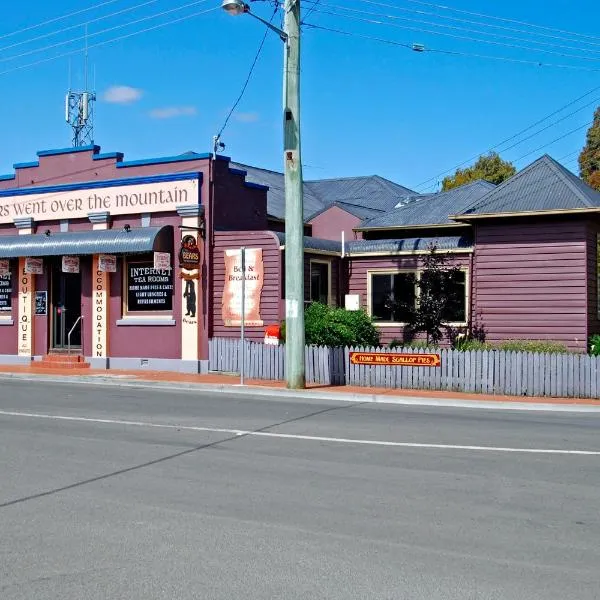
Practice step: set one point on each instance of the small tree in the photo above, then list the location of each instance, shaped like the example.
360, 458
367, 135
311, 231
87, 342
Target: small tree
438, 297
589, 159
489, 167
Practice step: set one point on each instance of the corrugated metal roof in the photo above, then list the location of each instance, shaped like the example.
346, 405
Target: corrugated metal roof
409, 244
543, 185
311, 243
109, 241
431, 209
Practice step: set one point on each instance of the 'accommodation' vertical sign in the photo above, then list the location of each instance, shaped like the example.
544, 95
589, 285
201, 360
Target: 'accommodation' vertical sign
100, 309
26, 292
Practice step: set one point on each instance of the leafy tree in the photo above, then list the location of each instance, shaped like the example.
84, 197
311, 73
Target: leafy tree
439, 298
589, 159
489, 167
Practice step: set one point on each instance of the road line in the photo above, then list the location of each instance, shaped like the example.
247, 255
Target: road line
308, 438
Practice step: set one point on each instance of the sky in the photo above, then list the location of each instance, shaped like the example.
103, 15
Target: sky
369, 105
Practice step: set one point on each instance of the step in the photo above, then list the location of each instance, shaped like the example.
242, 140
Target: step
57, 364
63, 358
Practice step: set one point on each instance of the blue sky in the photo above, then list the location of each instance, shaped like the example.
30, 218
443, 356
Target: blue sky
368, 107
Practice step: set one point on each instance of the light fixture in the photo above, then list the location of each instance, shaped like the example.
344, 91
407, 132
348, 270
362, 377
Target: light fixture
235, 7
127, 227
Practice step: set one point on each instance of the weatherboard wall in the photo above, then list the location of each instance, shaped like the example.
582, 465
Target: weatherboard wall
329, 225
531, 281
593, 231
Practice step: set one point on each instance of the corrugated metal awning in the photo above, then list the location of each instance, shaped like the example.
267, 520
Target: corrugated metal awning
104, 241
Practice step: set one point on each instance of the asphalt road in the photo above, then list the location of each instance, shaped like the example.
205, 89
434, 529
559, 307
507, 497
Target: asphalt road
141, 494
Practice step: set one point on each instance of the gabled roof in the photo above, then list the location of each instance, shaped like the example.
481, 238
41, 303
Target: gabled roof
545, 185
360, 196
430, 209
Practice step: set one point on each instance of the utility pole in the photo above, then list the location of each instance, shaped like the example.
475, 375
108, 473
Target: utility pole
294, 203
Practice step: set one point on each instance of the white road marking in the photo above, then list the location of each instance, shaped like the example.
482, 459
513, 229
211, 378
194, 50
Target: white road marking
293, 436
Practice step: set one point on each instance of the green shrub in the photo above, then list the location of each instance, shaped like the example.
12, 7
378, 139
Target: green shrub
327, 326
543, 346
595, 345
467, 344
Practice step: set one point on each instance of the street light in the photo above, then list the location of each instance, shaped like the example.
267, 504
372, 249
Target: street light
294, 213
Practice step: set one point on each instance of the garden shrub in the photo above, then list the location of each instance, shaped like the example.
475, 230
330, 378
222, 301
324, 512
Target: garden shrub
595, 345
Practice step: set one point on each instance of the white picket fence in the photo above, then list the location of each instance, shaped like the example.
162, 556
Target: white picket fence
487, 372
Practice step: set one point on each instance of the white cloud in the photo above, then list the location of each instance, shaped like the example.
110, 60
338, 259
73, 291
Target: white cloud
122, 94
246, 117
170, 112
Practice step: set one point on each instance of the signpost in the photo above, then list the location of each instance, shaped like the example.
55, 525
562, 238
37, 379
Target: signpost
243, 323
395, 359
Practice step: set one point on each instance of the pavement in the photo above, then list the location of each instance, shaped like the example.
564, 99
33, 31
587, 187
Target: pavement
217, 382
111, 492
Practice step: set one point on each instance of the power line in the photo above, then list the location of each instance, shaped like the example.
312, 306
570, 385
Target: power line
503, 19
247, 81
452, 35
70, 27
479, 23
97, 33
110, 41
55, 19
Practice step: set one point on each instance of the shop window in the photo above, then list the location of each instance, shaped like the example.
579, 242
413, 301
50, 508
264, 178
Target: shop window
320, 281
5, 293
392, 295
146, 289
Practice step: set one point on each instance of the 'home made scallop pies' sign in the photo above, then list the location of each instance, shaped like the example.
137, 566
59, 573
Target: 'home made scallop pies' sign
385, 359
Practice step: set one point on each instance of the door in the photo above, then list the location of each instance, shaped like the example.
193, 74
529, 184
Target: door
66, 308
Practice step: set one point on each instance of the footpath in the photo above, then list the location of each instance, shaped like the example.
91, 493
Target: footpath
230, 384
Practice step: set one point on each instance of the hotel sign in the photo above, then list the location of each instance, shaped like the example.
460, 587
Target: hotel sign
118, 200
385, 359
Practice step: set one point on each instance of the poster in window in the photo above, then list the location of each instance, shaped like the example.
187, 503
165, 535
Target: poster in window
41, 303
107, 263
162, 261
70, 264
232, 291
5, 292
34, 266
4, 267
149, 289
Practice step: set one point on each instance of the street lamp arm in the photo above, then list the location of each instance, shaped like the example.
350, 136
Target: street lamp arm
239, 7
282, 34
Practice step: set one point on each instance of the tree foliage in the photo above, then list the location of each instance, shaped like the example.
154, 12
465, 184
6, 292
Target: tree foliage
589, 159
489, 167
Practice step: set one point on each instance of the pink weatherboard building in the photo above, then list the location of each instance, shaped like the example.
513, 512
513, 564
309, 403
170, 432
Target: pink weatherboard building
135, 264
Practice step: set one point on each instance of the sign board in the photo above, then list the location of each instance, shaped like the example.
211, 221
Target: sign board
231, 303
70, 264
352, 302
107, 263
41, 303
34, 266
149, 289
4, 267
162, 261
5, 292
385, 359
189, 254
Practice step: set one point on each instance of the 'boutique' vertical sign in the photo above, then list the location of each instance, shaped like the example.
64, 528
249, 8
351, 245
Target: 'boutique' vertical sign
25, 346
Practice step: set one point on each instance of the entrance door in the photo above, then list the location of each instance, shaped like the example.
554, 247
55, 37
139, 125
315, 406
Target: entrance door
66, 308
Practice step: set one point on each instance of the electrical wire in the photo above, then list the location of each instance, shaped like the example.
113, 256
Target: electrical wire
110, 41
249, 76
97, 33
55, 19
70, 27
452, 35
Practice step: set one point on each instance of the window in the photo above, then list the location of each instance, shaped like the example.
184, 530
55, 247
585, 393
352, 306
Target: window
392, 295
6, 292
320, 279
147, 289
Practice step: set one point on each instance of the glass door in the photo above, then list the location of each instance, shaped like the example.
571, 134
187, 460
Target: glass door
66, 308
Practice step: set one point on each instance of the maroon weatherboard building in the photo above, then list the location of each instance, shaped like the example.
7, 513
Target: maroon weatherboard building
137, 263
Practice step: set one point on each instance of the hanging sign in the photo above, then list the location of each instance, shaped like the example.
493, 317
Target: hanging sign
5, 292
107, 263
34, 266
41, 303
189, 258
395, 359
253, 273
162, 260
70, 264
4, 267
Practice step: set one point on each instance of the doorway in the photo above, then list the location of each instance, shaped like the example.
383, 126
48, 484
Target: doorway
66, 308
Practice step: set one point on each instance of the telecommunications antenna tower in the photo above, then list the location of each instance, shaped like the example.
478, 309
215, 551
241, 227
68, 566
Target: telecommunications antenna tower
79, 109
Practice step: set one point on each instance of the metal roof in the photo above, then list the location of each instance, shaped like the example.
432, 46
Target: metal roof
311, 243
409, 244
431, 209
544, 185
109, 241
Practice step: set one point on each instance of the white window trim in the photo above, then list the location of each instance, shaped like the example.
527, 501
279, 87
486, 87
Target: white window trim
418, 273
329, 286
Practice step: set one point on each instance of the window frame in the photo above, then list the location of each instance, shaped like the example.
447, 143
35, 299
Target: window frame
167, 315
417, 273
320, 261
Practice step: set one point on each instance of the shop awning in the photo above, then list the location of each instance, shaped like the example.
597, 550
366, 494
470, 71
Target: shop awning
78, 243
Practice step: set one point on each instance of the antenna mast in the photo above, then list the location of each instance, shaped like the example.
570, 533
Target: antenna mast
79, 108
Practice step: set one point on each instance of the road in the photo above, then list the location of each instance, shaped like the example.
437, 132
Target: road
123, 493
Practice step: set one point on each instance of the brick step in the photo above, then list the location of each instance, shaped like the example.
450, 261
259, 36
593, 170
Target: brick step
58, 364
63, 358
